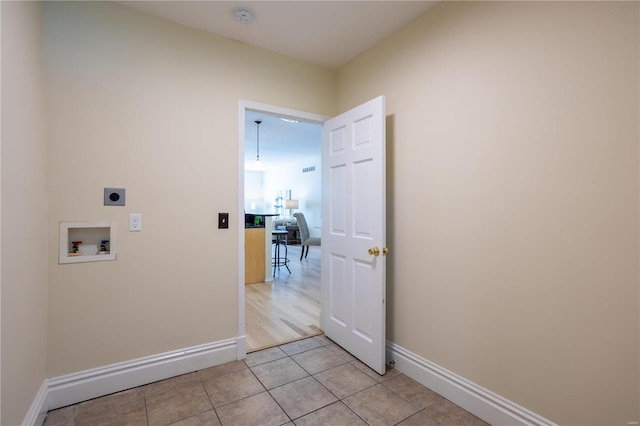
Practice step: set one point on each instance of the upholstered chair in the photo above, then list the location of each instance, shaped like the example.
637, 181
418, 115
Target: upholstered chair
305, 239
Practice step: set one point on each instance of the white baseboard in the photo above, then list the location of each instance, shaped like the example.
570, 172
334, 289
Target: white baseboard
77, 387
38, 410
241, 347
477, 400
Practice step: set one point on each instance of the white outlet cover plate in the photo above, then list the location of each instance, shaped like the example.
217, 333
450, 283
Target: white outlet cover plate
135, 222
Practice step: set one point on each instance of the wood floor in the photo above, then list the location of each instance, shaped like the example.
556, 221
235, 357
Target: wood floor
288, 308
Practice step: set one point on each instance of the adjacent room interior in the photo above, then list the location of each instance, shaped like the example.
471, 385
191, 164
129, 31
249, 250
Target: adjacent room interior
282, 177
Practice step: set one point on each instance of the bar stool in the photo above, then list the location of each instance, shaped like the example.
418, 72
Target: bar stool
280, 240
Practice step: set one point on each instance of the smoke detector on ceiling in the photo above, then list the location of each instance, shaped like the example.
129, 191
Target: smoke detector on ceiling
244, 16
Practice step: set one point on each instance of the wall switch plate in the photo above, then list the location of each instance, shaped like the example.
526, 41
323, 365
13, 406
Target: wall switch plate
135, 222
114, 196
223, 220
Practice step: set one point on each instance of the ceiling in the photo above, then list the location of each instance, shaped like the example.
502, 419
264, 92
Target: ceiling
281, 141
326, 33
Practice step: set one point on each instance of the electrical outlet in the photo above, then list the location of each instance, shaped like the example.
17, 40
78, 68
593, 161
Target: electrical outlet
135, 222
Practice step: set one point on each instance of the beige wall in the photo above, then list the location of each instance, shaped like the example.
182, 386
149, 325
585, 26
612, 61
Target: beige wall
515, 263
151, 106
24, 210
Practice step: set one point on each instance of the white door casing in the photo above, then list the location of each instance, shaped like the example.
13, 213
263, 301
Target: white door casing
353, 226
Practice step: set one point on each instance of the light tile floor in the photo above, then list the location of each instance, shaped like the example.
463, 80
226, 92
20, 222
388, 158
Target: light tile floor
308, 382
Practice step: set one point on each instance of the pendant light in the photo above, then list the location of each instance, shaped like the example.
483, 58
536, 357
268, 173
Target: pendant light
258, 141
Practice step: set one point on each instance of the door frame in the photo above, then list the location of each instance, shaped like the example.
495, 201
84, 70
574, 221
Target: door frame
243, 106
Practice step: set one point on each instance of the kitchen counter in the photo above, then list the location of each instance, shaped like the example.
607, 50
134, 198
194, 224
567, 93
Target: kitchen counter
257, 245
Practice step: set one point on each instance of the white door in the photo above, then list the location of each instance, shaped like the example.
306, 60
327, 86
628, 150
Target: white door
354, 231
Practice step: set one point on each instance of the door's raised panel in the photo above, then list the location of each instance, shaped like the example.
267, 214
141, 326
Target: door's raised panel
337, 207
362, 299
362, 132
362, 200
337, 140
338, 290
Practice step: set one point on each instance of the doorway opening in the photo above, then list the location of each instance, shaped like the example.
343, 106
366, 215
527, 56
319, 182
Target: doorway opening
279, 159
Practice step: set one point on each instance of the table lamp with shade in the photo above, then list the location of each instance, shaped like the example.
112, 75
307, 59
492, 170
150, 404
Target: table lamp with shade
291, 205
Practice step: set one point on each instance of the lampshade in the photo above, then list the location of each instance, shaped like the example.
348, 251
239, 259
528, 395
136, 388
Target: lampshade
291, 204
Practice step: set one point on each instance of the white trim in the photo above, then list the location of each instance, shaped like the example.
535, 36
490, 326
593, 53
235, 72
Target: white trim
490, 407
38, 410
282, 111
240, 220
241, 347
81, 386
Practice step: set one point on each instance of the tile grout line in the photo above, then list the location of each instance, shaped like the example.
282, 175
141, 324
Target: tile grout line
275, 400
340, 400
268, 392
213, 407
317, 381
409, 402
309, 375
146, 411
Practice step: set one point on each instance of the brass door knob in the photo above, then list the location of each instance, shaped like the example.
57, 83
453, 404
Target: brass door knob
385, 251
374, 251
